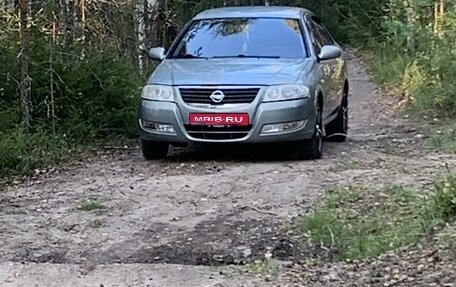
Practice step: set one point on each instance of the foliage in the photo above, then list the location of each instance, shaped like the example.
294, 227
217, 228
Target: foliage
358, 223
445, 197
416, 57
94, 99
265, 266
444, 138
21, 152
85, 85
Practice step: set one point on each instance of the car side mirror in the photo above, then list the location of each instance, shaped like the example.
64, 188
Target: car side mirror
157, 54
329, 52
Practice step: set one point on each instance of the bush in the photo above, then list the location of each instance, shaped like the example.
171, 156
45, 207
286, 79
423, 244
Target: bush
445, 197
98, 96
444, 138
95, 99
21, 152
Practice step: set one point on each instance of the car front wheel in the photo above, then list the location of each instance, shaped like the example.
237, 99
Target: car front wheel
154, 150
313, 147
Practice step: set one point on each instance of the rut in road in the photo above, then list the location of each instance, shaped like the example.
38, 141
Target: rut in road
206, 206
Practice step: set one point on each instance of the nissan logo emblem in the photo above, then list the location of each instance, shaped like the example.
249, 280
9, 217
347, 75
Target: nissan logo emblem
217, 96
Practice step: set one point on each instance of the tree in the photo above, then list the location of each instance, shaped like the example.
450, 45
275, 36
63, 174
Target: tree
25, 83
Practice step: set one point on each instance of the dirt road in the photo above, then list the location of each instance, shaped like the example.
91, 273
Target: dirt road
169, 223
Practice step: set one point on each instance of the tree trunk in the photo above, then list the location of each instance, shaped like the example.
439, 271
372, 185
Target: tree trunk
83, 13
411, 16
64, 21
71, 20
141, 8
25, 84
439, 13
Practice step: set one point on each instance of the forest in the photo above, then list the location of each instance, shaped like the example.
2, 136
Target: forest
71, 70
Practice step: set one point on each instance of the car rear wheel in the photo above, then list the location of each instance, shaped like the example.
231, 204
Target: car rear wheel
313, 147
337, 130
154, 150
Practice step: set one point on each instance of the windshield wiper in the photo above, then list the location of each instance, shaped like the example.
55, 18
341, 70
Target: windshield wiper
188, 56
247, 56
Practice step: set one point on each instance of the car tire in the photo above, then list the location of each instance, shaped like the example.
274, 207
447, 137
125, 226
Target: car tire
313, 147
337, 130
154, 150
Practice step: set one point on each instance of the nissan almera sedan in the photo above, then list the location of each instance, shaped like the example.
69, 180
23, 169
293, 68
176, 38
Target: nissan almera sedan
247, 75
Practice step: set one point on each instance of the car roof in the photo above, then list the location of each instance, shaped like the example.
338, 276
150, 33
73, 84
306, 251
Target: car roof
253, 12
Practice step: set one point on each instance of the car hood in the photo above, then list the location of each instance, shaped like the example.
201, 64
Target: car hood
229, 71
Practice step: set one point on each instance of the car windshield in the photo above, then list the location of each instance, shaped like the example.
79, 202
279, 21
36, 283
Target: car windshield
252, 37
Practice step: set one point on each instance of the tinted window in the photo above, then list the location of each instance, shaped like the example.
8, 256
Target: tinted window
259, 37
327, 40
320, 36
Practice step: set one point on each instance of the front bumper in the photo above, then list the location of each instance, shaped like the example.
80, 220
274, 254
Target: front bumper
260, 114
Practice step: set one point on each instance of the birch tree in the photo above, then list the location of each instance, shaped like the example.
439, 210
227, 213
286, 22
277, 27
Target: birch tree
143, 9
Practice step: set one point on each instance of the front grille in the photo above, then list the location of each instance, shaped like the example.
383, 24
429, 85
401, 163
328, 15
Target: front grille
232, 95
217, 133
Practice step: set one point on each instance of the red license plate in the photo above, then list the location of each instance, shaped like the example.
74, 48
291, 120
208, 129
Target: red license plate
220, 119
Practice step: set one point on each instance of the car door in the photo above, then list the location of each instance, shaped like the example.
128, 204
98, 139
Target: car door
337, 73
331, 70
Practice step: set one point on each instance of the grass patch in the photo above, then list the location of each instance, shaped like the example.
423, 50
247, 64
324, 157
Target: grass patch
22, 152
444, 202
358, 223
91, 205
387, 68
27, 153
444, 138
266, 266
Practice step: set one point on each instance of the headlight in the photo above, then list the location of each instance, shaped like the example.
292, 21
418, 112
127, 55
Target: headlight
286, 92
158, 93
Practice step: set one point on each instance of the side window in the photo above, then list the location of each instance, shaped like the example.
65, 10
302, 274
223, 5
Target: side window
318, 40
325, 35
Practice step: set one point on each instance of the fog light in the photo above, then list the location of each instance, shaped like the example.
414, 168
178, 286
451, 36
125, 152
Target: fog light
283, 128
157, 127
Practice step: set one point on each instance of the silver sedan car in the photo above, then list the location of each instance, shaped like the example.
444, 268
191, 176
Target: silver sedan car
247, 75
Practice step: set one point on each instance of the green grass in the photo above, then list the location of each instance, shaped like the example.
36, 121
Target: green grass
444, 200
22, 152
95, 103
26, 153
387, 68
91, 205
358, 223
443, 138
422, 80
266, 266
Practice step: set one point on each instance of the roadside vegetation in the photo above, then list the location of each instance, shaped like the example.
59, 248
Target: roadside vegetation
444, 138
358, 223
71, 71
64, 87
91, 205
